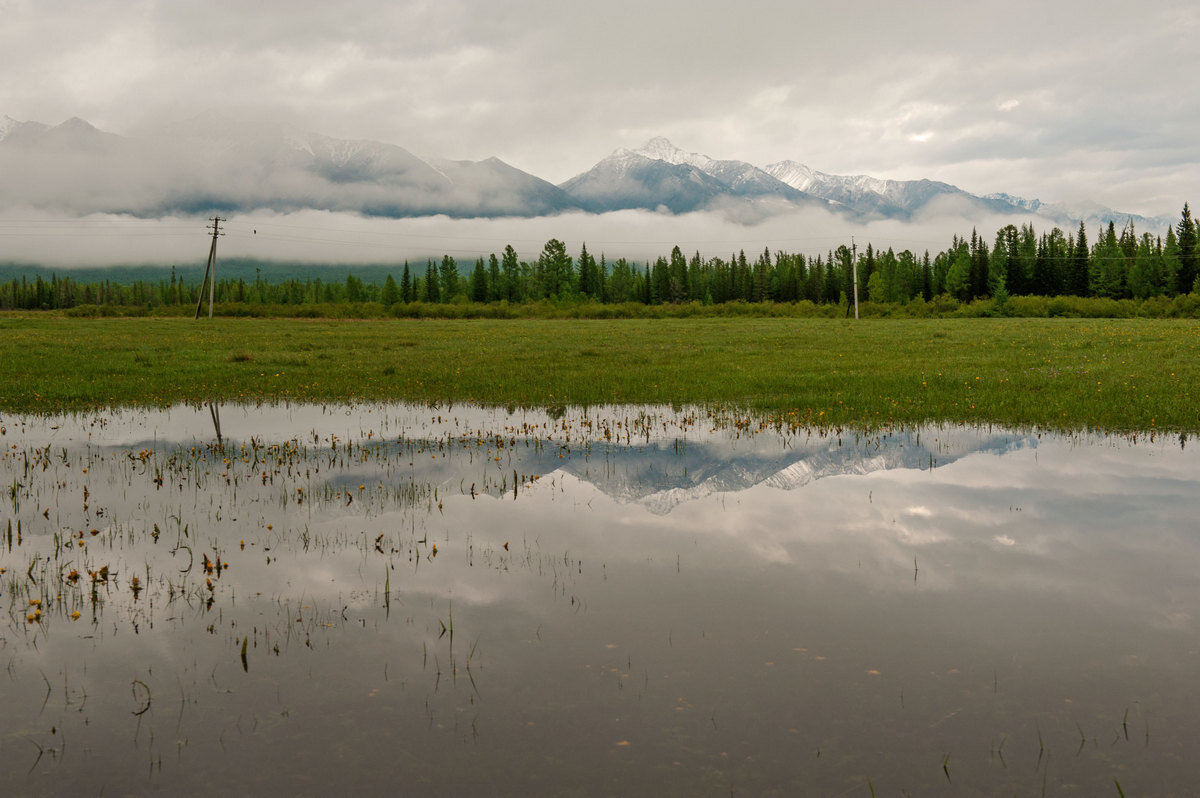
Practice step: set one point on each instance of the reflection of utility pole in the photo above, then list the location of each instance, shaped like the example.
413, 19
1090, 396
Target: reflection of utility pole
210, 271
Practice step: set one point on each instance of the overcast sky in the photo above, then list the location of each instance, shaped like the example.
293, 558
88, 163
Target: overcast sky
1057, 100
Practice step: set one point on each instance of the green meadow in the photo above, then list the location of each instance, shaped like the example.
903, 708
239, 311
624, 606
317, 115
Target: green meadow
1110, 374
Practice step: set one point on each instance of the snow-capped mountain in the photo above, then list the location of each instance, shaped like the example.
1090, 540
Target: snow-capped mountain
742, 178
214, 163
660, 175
868, 196
1094, 215
872, 197
628, 179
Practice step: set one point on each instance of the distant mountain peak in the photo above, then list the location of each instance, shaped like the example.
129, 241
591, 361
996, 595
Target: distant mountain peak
75, 123
660, 148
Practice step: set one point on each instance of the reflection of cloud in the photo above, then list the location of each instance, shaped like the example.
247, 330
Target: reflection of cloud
1072, 504
920, 537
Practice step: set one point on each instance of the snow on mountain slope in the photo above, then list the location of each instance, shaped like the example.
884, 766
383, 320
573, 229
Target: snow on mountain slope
213, 162
742, 178
628, 179
660, 175
660, 149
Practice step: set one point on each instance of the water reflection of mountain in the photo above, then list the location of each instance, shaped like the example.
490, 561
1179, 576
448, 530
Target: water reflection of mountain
658, 474
661, 475
664, 476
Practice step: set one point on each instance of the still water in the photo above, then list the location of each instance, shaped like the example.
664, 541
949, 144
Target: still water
457, 600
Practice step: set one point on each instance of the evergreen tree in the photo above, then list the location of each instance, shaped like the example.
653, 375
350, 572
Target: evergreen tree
406, 287
845, 271
495, 286
676, 284
1020, 272
1141, 273
958, 275
867, 266
759, 279
1129, 242
556, 269
1186, 237
622, 285
1042, 281
602, 279
391, 292
833, 293
511, 271
888, 270
430, 291
660, 282
908, 276
448, 278
1171, 263
941, 265
1108, 266
587, 274
479, 285
980, 263
696, 287
1077, 277
743, 278
1000, 259
1058, 255
814, 290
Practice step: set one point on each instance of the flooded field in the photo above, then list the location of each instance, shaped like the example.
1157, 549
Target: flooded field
455, 600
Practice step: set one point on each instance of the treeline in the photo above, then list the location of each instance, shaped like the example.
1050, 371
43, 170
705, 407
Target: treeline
1018, 262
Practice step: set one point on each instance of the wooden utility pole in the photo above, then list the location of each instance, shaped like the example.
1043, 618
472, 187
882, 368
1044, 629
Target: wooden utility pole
854, 269
853, 261
210, 271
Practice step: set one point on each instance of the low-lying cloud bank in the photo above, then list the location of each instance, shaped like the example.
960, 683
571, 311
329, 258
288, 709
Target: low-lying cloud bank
333, 237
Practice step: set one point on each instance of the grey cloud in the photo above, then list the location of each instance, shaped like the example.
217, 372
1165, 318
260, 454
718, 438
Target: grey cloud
327, 236
551, 86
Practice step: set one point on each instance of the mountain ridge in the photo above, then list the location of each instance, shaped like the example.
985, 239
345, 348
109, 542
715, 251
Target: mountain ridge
215, 163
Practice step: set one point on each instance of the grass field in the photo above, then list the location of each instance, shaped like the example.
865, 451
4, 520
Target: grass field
1113, 374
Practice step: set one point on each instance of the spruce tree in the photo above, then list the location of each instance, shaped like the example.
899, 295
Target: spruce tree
1077, 278
391, 292
587, 273
495, 286
406, 288
448, 275
1186, 238
510, 268
978, 285
430, 292
1171, 263
479, 285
